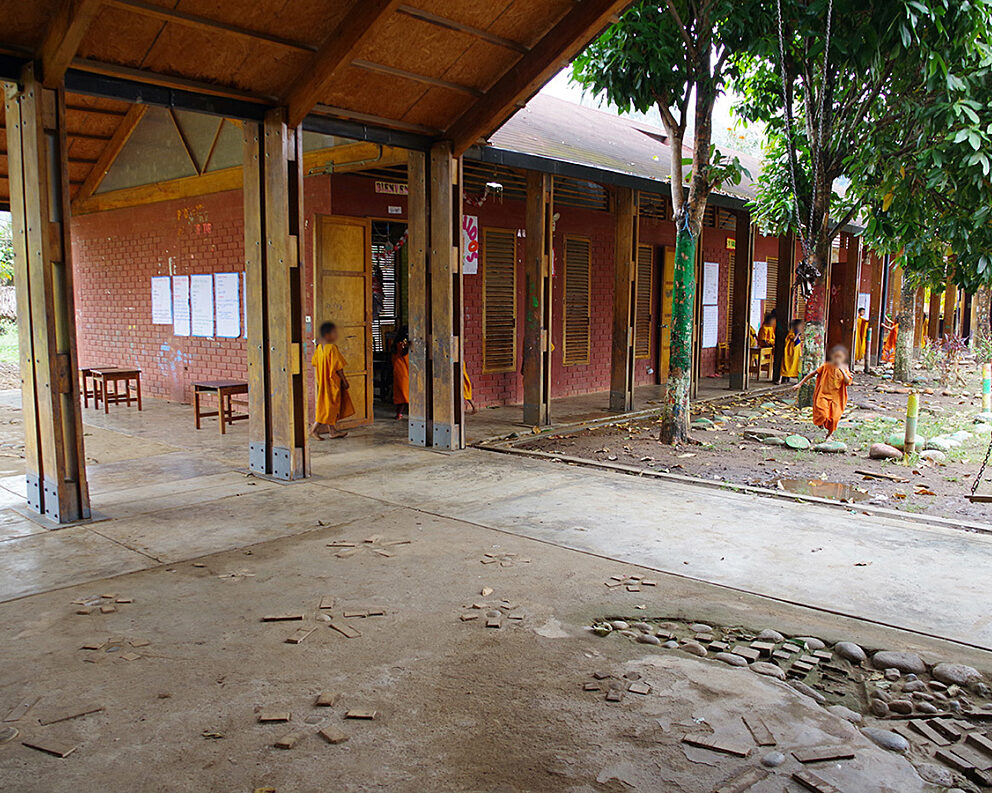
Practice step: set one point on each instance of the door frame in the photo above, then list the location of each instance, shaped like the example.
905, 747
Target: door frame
366, 223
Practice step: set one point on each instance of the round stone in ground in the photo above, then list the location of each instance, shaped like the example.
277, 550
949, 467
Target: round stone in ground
694, 648
882, 451
846, 713
879, 708
773, 760
812, 693
886, 739
730, 658
957, 674
700, 627
903, 706
797, 442
935, 774
831, 447
851, 652
647, 638
619, 625
768, 635
671, 645
812, 643
765, 668
933, 455
903, 661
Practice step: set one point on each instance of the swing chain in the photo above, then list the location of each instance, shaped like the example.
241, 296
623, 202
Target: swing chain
806, 272
981, 471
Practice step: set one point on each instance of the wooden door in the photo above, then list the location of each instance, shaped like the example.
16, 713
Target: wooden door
667, 288
343, 295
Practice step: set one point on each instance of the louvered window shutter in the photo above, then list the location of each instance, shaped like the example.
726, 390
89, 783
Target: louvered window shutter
499, 300
644, 289
577, 287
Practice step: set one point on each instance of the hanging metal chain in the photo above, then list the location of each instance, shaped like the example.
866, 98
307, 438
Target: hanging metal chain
981, 471
806, 272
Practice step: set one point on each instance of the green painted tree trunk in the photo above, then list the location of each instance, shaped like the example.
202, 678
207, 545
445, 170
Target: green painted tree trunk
675, 419
814, 339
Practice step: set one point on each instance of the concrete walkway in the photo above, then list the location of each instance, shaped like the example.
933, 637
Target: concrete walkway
163, 503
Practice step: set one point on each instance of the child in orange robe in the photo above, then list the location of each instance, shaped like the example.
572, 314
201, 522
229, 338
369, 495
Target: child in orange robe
332, 403
830, 395
889, 348
401, 375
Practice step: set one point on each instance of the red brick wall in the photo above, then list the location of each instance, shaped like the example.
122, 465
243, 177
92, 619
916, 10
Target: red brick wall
116, 254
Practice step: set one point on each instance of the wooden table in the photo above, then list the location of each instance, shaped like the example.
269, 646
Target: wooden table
89, 389
763, 358
106, 376
224, 389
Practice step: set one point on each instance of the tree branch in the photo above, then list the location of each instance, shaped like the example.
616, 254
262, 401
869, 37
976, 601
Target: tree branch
689, 43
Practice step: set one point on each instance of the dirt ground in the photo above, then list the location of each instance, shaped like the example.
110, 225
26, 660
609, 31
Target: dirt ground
10, 376
729, 452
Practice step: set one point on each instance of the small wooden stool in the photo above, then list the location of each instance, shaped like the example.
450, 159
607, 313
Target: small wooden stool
89, 388
103, 377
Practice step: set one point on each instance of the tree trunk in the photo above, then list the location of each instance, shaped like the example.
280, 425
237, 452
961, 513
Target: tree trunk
675, 418
814, 337
903, 368
982, 332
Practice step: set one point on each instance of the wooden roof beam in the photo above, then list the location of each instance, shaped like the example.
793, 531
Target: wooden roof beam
391, 71
64, 35
164, 14
337, 51
548, 56
451, 24
121, 136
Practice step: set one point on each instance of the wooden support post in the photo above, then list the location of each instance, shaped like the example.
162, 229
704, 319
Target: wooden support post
740, 311
783, 299
622, 363
446, 298
933, 315
273, 195
950, 308
845, 277
875, 308
537, 309
419, 427
38, 165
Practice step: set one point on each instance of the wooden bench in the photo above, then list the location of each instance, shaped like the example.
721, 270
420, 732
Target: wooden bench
224, 389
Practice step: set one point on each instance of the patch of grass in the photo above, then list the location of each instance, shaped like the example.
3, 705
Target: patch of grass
9, 350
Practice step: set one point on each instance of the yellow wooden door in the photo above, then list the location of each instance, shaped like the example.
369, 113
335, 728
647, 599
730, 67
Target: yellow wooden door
668, 286
343, 295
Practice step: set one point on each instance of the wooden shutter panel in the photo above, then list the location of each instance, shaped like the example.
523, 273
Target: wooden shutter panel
499, 300
576, 314
730, 296
644, 289
771, 299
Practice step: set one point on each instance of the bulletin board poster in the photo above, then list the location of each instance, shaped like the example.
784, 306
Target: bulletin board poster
227, 304
711, 326
711, 283
756, 317
864, 301
759, 282
470, 244
201, 303
244, 305
180, 305
161, 300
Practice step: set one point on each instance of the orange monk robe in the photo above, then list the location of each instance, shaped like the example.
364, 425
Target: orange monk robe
401, 379
466, 386
766, 336
752, 337
791, 355
861, 339
333, 402
889, 348
829, 396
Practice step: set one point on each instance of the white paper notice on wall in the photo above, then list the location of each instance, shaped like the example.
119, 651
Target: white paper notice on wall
711, 326
244, 305
711, 283
161, 300
180, 305
201, 304
864, 301
470, 244
759, 281
227, 304
756, 317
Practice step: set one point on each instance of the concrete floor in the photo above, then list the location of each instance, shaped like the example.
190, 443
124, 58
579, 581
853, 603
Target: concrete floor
204, 551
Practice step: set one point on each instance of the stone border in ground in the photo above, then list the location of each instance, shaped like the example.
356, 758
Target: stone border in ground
509, 447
